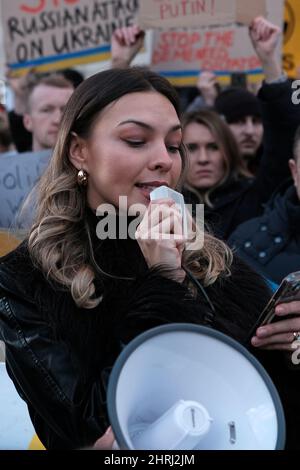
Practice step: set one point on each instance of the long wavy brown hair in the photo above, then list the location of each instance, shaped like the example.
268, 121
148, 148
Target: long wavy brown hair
60, 241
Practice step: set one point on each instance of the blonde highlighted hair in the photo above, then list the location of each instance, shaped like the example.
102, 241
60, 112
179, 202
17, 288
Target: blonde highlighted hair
60, 241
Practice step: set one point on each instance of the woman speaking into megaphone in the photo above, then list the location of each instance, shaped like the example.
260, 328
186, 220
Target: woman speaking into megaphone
78, 289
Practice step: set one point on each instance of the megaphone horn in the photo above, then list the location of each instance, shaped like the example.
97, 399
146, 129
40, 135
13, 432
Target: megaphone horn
184, 386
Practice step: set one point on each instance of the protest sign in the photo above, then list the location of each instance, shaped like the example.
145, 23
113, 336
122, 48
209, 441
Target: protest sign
2, 55
180, 54
54, 34
194, 13
16, 429
291, 51
18, 175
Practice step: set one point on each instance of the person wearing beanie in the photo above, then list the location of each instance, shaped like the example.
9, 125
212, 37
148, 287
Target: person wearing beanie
242, 112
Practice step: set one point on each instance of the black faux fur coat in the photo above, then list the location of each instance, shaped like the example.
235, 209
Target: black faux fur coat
59, 356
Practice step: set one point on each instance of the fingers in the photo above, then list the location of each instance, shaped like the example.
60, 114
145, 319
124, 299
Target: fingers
288, 308
279, 347
161, 218
170, 225
118, 35
278, 335
283, 338
160, 236
128, 36
262, 30
278, 327
280, 342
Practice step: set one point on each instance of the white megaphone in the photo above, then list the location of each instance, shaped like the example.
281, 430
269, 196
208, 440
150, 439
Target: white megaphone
185, 387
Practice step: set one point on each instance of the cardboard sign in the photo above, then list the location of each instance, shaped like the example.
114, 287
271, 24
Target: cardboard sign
291, 51
194, 13
16, 429
53, 34
18, 175
180, 54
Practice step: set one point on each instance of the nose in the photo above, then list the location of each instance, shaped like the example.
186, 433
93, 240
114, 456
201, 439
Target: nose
202, 156
161, 159
249, 126
56, 116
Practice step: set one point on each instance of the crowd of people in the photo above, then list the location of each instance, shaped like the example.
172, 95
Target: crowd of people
70, 299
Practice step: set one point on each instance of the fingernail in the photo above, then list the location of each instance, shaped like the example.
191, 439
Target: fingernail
279, 310
262, 332
254, 341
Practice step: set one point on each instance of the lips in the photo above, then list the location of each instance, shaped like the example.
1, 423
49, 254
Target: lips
203, 173
145, 190
151, 185
147, 187
248, 142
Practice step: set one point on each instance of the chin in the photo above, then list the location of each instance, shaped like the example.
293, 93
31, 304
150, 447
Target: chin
137, 207
203, 185
50, 145
249, 153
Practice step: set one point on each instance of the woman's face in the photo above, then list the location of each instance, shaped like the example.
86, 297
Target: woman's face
206, 162
133, 148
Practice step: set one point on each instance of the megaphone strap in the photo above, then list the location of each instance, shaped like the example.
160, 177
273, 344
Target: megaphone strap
210, 315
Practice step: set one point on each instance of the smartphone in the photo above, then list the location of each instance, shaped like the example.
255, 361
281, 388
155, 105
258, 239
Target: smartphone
288, 290
163, 192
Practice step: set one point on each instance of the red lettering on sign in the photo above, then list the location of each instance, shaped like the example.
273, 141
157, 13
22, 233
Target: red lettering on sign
42, 4
169, 10
214, 38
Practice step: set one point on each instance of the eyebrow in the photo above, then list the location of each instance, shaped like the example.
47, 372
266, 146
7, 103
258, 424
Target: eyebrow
188, 142
147, 126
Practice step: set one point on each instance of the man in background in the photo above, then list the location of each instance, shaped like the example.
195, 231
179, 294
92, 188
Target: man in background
46, 98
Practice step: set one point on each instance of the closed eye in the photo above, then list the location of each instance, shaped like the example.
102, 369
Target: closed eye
173, 148
134, 143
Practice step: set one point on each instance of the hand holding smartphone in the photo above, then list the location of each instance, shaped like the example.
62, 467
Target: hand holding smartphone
288, 291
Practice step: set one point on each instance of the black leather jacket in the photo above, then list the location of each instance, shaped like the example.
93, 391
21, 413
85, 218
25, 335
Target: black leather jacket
59, 356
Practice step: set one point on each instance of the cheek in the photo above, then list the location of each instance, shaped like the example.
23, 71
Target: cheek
177, 169
237, 132
192, 160
219, 163
260, 132
219, 170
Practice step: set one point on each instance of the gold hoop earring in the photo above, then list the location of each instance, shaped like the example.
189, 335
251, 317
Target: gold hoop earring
82, 178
